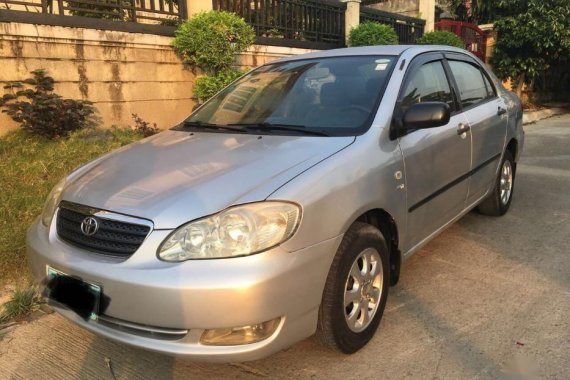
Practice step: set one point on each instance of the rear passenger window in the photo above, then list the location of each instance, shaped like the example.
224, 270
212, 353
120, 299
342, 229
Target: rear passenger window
428, 84
473, 86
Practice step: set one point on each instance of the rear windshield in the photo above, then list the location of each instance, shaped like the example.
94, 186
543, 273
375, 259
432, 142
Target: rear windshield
334, 95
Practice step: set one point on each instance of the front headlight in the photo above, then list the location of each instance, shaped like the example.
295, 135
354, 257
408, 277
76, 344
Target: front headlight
237, 231
52, 202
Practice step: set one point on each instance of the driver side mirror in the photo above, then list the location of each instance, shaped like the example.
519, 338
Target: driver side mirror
426, 115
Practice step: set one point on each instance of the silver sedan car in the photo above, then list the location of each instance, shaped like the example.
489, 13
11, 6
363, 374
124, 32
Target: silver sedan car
282, 207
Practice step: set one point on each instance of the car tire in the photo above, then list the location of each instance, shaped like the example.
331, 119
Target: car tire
499, 200
359, 278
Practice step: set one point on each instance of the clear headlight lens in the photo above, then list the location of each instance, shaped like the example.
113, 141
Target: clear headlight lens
52, 202
237, 231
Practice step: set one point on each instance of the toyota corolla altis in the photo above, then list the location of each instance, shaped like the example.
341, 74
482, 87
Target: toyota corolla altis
282, 207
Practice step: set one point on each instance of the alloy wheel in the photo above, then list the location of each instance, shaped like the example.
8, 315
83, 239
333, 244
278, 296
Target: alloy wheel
363, 290
506, 182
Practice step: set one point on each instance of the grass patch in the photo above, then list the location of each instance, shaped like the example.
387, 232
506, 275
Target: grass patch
29, 167
20, 304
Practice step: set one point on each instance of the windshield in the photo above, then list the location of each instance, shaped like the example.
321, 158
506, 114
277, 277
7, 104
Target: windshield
334, 96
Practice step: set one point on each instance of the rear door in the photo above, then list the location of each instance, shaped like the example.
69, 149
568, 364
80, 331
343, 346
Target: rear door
486, 115
437, 159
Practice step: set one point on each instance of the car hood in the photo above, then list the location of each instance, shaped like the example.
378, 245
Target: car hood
175, 177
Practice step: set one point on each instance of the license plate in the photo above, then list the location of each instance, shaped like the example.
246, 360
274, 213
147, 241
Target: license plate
80, 296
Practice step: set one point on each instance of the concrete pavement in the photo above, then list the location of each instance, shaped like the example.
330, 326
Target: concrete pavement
489, 298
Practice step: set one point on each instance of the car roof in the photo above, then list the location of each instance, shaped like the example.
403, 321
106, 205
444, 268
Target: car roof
393, 50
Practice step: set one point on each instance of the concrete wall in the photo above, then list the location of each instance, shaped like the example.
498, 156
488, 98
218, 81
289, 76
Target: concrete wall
424, 9
122, 73
404, 7
490, 43
258, 55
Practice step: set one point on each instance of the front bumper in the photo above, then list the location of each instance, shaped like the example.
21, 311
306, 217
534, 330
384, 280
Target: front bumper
194, 295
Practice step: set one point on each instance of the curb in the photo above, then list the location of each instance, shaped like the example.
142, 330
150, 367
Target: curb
534, 116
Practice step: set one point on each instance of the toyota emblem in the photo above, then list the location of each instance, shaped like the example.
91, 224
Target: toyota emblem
89, 226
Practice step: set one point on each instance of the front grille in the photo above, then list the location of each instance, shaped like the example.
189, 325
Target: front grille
113, 237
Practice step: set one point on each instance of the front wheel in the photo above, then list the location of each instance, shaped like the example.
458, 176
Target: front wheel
356, 290
498, 202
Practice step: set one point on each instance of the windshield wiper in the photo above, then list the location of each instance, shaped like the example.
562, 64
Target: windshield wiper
265, 126
219, 127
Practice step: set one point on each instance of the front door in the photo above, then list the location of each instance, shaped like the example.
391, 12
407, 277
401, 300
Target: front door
436, 160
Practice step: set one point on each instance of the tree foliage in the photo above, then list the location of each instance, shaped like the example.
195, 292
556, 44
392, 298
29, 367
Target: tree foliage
103, 9
532, 35
484, 11
481, 12
372, 33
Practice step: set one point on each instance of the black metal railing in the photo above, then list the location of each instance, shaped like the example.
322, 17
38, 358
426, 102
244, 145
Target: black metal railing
317, 24
408, 29
94, 13
160, 11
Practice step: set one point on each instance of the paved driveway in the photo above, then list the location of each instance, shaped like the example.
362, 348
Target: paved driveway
489, 298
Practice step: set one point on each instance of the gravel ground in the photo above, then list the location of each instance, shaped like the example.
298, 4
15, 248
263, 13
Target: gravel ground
489, 298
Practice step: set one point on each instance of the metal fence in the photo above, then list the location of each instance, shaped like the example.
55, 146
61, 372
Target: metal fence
408, 29
317, 24
96, 13
314, 24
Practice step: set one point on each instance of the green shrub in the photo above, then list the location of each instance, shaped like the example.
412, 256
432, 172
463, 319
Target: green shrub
210, 40
372, 33
209, 85
441, 37
143, 127
44, 112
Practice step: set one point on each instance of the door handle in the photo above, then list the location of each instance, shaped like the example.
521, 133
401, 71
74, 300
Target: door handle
501, 111
462, 128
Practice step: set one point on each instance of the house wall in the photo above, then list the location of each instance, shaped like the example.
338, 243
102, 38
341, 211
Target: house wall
413, 8
121, 73
490, 42
404, 7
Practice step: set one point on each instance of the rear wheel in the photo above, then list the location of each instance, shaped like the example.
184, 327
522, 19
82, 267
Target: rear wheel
356, 290
498, 202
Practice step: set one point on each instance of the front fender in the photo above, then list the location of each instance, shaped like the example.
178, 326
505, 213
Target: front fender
337, 191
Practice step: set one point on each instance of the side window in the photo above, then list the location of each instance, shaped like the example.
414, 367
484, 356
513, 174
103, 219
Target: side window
471, 83
427, 84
